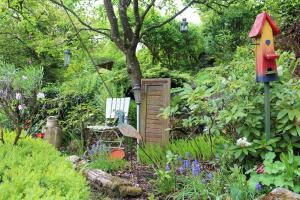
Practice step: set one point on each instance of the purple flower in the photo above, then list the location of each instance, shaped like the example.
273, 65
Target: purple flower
195, 171
203, 181
187, 155
186, 164
210, 176
168, 168
195, 168
181, 170
180, 158
18, 96
258, 186
91, 152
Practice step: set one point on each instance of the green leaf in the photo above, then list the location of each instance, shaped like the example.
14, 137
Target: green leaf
270, 156
282, 113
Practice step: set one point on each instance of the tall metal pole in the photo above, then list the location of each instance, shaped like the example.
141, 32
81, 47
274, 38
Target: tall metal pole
138, 106
267, 109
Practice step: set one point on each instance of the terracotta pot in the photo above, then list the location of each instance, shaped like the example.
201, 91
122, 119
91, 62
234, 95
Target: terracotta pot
117, 154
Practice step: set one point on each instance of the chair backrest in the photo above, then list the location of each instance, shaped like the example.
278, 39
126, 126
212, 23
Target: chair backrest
114, 104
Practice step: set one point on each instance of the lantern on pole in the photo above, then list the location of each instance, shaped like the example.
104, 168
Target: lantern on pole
67, 57
184, 26
263, 31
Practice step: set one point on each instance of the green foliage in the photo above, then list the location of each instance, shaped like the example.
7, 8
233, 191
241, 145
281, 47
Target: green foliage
35, 170
18, 95
284, 173
226, 100
198, 147
194, 181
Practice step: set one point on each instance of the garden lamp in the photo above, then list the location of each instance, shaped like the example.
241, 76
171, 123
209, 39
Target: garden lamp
67, 57
184, 26
137, 93
137, 96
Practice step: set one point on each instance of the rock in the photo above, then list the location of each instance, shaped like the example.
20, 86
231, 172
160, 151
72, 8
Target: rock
281, 194
76, 161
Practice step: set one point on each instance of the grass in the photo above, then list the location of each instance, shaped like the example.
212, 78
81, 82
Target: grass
198, 147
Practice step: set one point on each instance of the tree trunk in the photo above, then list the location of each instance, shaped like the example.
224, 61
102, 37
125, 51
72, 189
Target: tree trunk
133, 67
113, 185
18, 134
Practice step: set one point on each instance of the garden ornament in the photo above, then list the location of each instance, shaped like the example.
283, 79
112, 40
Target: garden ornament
263, 30
52, 132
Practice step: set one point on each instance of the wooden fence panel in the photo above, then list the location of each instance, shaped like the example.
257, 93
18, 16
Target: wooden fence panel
155, 94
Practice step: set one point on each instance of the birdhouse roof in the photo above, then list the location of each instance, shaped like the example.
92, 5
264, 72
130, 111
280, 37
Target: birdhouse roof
259, 23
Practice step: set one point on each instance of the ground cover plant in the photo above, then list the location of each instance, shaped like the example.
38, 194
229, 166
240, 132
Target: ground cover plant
39, 165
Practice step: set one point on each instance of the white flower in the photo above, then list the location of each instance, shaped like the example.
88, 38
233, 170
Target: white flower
21, 107
280, 70
40, 95
24, 77
18, 96
242, 142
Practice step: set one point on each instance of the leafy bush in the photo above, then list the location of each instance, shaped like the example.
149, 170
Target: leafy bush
226, 100
35, 170
19, 90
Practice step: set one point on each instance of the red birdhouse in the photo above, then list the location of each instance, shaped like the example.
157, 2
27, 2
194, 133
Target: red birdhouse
263, 30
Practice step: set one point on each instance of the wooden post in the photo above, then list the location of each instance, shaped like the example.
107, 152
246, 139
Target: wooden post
267, 109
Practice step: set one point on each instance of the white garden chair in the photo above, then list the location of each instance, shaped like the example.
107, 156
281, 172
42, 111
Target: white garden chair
108, 131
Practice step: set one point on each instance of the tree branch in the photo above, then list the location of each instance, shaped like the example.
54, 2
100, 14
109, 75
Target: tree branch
98, 30
128, 33
115, 34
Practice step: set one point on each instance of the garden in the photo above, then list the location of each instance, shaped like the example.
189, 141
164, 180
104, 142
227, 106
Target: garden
150, 99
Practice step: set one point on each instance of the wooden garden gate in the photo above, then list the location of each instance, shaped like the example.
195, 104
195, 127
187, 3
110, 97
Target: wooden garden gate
155, 95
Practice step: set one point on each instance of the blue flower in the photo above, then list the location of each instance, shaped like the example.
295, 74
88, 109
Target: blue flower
203, 181
195, 171
258, 186
181, 170
210, 176
91, 152
168, 168
187, 155
186, 164
195, 168
180, 158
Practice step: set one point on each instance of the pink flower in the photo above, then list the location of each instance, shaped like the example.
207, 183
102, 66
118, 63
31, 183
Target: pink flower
18, 96
260, 169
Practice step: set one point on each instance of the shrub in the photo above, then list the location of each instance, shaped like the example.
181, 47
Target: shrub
35, 170
19, 94
227, 100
